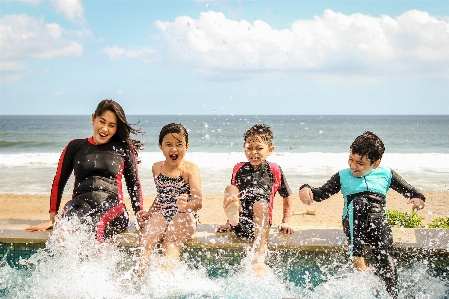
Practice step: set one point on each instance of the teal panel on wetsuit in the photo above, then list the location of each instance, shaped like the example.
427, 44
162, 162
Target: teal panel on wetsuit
377, 181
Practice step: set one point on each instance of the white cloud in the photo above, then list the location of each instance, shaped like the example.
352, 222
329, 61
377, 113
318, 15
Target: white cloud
71, 9
116, 53
23, 38
333, 43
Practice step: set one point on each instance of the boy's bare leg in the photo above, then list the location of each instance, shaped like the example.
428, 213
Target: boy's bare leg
152, 233
359, 263
261, 233
231, 204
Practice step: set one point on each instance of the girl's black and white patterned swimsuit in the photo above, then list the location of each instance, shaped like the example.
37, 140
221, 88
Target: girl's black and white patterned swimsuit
168, 190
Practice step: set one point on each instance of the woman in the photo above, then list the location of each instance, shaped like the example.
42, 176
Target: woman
99, 162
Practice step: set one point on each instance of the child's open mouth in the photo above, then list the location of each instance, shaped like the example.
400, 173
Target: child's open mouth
173, 157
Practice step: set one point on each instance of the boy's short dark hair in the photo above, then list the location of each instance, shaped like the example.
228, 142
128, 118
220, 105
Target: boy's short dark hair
261, 130
368, 144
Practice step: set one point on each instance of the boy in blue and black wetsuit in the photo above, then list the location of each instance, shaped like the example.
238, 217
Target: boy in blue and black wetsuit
364, 186
248, 201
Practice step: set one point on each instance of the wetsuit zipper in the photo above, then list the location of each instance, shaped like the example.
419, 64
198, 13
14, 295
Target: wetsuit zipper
364, 179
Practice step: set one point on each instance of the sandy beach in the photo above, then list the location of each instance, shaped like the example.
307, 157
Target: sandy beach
327, 213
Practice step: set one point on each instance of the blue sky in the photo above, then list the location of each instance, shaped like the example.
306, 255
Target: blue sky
225, 57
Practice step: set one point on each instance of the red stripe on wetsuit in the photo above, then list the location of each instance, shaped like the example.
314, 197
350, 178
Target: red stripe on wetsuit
114, 212
54, 198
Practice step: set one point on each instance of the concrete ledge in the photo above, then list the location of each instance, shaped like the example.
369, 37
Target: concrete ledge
306, 238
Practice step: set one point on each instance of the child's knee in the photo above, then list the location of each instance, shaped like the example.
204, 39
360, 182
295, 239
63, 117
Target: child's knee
231, 190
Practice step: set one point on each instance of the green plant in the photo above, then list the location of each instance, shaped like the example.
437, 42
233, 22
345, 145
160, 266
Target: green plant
439, 222
404, 219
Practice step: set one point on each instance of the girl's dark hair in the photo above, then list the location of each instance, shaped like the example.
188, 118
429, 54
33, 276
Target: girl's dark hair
262, 130
173, 128
368, 144
123, 127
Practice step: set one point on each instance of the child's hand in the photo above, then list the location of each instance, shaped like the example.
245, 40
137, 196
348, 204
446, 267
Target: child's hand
285, 228
182, 202
306, 196
418, 204
142, 217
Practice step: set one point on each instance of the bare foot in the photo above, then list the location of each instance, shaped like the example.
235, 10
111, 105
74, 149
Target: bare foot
261, 269
232, 212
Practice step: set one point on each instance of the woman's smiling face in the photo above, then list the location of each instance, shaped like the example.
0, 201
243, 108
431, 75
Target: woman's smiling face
105, 126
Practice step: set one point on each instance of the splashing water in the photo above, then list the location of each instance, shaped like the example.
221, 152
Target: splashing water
75, 265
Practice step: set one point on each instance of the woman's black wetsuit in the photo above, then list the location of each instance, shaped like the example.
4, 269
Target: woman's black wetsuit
364, 217
97, 191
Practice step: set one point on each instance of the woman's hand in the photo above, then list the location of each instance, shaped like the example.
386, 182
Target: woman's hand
43, 226
40, 227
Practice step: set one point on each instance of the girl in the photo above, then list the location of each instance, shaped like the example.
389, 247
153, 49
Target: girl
172, 217
98, 163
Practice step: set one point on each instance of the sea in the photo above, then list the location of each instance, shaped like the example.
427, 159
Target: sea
309, 148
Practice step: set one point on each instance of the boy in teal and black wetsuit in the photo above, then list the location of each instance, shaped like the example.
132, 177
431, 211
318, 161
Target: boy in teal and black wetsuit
364, 186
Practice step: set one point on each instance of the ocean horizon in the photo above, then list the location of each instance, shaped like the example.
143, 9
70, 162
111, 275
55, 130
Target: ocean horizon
309, 148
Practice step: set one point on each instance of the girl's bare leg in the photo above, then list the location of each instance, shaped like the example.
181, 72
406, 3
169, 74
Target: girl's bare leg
152, 233
179, 231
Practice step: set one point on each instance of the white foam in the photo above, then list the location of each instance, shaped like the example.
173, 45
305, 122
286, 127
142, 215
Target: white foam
425, 171
299, 161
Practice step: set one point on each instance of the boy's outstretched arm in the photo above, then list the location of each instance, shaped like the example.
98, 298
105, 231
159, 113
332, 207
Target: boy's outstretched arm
309, 194
416, 198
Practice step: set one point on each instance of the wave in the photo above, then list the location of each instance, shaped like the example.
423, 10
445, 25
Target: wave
436, 162
24, 144
424, 171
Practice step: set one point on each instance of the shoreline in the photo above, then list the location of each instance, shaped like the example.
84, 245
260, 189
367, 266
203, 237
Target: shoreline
327, 214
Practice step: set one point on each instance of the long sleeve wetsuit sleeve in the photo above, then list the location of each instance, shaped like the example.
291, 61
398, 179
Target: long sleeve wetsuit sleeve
399, 185
133, 185
63, 172
331, 187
